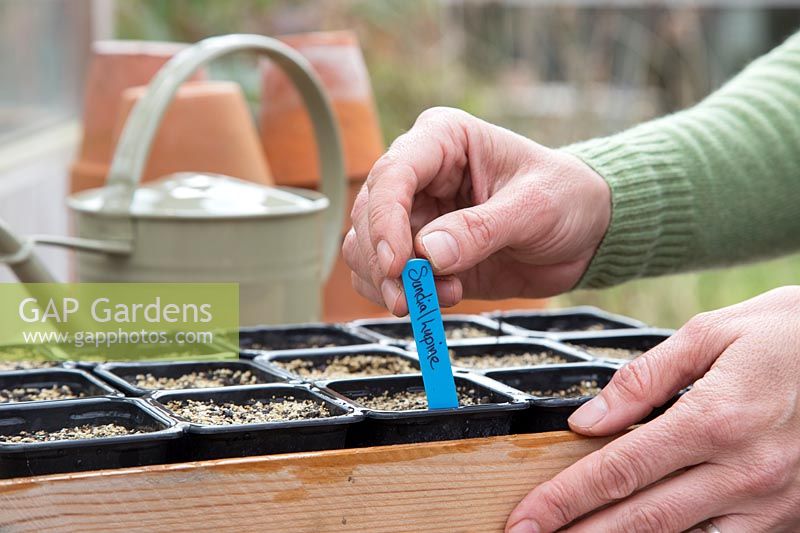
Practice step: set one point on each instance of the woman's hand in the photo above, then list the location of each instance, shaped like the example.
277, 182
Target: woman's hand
727, 451
496, 214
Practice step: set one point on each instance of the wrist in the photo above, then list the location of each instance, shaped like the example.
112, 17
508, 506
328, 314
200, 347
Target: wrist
650, 231
595, 193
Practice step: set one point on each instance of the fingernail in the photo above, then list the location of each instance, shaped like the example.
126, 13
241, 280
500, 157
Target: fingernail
589, 413
442, 249
385, 257
524, 526
390, 292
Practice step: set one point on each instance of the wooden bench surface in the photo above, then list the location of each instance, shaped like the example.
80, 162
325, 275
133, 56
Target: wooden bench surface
468, 485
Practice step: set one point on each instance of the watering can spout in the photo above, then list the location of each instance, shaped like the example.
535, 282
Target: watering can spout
18, 254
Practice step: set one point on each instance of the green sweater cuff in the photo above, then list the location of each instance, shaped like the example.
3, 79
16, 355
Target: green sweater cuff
652, 218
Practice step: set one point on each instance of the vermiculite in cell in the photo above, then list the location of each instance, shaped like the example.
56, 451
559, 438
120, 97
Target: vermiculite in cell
73, 433
211, 413
499, 359
31, 394
412, 400
611, 353
584, 388
350, 365
216, 377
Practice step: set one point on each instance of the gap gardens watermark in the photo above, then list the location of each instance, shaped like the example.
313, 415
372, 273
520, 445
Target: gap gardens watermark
116, 321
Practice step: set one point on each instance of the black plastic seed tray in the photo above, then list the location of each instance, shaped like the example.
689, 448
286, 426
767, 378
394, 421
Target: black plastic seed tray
397, 332
254, 341
240, 440
123, 375
86, 366
382, 427
80, 383
612, 346
543, 323
479, 356
17, 365
550, 413
32, 459
27, 357
318, 362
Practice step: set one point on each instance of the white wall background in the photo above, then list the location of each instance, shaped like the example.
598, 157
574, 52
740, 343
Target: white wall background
33, 185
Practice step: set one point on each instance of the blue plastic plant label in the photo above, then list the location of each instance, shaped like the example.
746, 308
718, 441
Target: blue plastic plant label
426, 322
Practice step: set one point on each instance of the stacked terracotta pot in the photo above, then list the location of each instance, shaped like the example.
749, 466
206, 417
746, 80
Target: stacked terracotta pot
289, 143
207, 128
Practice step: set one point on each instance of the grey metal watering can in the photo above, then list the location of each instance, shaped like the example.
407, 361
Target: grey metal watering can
278, 243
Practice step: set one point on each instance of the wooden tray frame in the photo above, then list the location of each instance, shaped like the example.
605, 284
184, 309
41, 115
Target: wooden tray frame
467, 485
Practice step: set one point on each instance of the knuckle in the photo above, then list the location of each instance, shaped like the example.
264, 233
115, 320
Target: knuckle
382, 167
725, 428
376, 216
647, 517
444, 127
478, 227
390, 174
350, 239
690, 406
349, 252
437, 113
556, 503
378, 167
358, 205
700, 327
634, 381
770, 472
616, 476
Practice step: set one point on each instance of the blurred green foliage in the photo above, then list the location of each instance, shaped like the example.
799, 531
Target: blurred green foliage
671, 300
422, 53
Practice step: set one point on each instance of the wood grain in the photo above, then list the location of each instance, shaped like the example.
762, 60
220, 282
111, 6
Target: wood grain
468, 485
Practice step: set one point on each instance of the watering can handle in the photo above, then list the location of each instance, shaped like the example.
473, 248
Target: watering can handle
133, 148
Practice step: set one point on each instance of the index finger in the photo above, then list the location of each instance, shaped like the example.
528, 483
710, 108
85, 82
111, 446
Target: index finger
431, 149
632, 462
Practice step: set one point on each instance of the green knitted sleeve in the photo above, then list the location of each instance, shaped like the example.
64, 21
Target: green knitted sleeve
712, 185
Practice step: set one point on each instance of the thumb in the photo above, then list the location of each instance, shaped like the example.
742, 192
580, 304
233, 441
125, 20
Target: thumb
459, 240
651, 379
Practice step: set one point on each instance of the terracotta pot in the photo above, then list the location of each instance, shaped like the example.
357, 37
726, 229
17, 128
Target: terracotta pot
285, 128
341, 302
115, 66
338, 294
289, 143
207, 128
